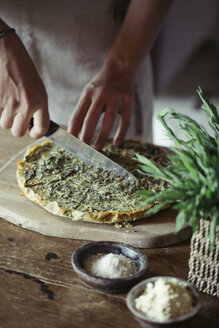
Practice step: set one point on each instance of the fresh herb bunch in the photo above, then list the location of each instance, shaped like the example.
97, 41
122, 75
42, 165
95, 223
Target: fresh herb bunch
192, 173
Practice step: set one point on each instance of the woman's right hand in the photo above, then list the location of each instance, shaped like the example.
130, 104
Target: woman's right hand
22, 92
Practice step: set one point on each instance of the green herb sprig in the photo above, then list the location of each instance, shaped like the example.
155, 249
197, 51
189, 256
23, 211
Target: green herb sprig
193, 171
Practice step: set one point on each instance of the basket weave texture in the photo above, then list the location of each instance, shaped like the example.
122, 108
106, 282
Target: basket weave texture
203, 264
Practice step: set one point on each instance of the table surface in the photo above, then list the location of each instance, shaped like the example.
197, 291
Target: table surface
38, 287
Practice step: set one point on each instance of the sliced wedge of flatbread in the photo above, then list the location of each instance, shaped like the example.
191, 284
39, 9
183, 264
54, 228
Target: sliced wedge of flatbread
65, 186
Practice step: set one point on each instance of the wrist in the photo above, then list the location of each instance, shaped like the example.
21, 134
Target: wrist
122, 66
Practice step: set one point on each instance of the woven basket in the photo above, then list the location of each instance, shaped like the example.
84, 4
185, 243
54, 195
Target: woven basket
203, 264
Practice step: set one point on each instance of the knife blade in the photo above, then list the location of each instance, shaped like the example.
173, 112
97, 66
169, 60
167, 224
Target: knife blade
84, 152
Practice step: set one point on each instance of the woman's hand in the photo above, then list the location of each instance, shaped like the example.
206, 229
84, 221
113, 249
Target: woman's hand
22, 92
111, 92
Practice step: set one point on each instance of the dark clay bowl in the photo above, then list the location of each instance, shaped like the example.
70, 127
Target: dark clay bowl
107, 285
172, 322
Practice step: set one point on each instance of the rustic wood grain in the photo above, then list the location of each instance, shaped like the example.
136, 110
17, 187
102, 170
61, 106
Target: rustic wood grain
38, 287
9, 145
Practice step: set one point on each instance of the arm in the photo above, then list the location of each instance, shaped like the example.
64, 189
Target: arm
22, 93
111, 90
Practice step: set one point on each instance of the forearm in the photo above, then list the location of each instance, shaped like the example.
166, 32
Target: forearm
138, 32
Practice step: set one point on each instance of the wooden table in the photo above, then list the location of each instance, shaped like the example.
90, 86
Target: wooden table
38, 287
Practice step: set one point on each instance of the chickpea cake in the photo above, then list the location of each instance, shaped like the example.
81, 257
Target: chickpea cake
66, 186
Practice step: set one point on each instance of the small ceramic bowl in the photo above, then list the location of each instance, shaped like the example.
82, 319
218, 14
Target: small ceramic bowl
108, 285
147, 322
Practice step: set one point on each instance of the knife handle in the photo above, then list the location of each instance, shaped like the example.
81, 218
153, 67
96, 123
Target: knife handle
53, 127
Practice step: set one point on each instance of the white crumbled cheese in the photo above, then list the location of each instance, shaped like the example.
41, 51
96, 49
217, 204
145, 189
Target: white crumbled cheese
164, 299
110, 266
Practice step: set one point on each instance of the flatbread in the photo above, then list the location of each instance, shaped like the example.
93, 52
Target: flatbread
66, 186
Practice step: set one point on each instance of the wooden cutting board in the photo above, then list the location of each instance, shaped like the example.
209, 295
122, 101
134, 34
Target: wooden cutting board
156, 231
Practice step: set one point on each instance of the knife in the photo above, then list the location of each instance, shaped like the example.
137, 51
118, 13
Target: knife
84, 152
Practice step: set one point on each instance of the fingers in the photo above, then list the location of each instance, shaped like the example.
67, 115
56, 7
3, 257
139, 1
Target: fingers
7, 114
22, 92
89, 109
7, 117
87, 113
18, 121
41, 123
125, 118
91, 119
123, 107
108, 122
77, 118
20, 125
16, 113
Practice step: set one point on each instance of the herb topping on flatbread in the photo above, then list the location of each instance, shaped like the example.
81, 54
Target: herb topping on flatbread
66, 186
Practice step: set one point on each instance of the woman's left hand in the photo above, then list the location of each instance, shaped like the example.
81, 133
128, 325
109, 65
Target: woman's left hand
111, 92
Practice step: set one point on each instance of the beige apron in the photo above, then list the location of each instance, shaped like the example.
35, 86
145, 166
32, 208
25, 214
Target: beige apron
68, 41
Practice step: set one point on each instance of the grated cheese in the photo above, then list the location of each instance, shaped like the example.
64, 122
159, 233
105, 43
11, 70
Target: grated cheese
164, 299
110, 265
